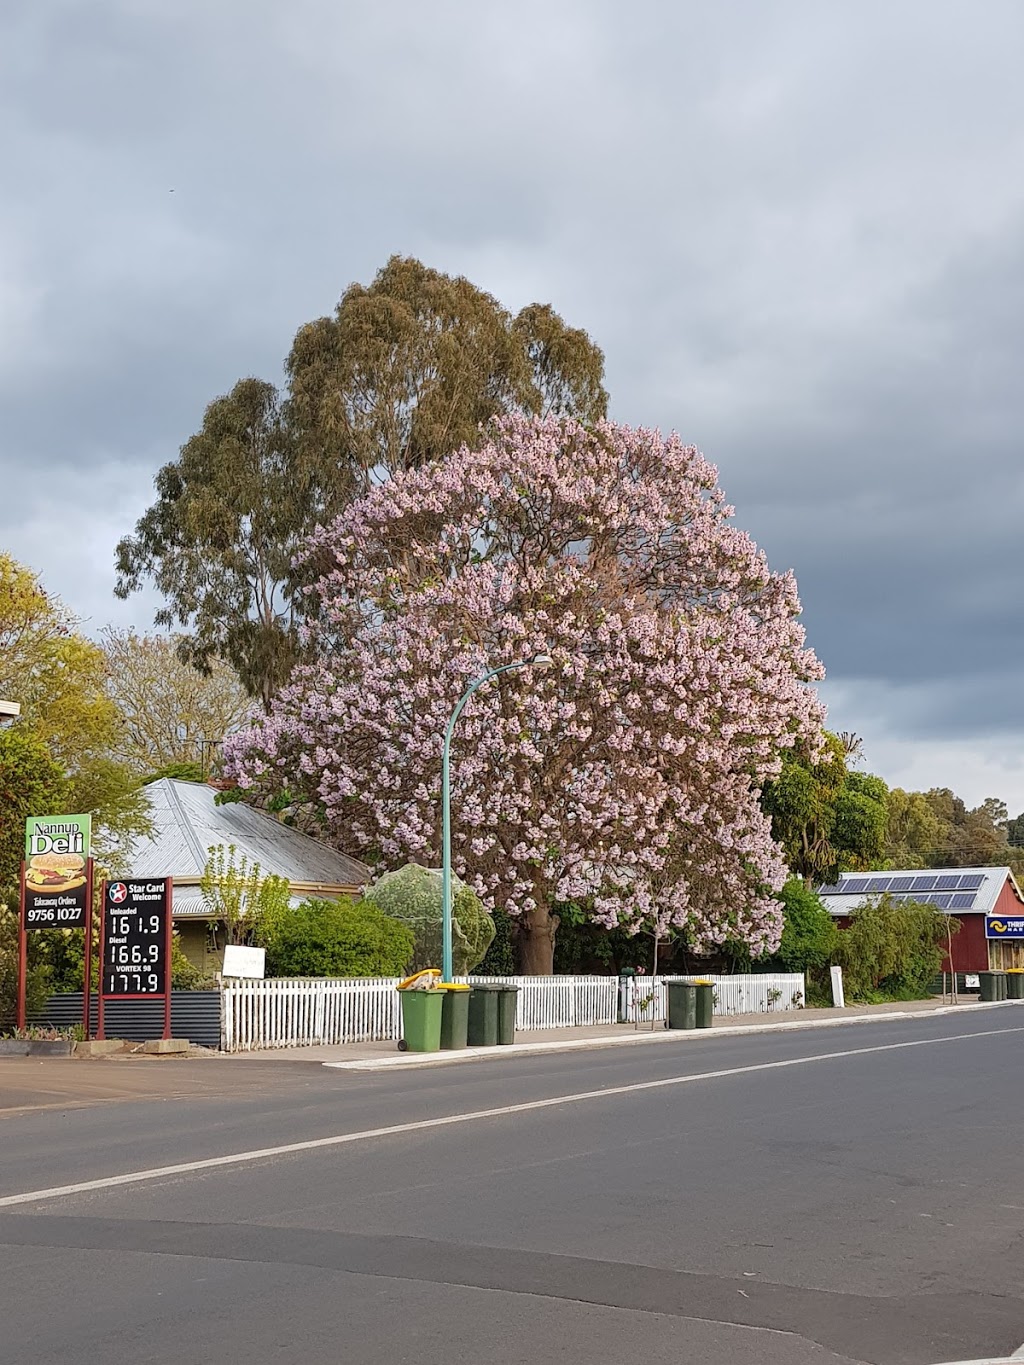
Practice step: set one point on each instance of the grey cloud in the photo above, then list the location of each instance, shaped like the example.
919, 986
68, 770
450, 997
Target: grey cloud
795, 229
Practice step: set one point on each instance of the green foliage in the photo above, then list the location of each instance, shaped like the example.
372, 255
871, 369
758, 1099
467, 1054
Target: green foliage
31, 783
181, 772
827, 818
219, 541
582, 946
408, 369
405, 370
337, 938
412, 895
38, 979
239, 897
810, 937
60, 679
892, 950
500, 958
937, 829
185, 975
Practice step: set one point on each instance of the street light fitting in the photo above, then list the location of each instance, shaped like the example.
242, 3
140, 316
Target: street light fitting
9, 710
542, 661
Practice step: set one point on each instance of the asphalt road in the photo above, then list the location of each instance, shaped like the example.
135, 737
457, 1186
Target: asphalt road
851, 1194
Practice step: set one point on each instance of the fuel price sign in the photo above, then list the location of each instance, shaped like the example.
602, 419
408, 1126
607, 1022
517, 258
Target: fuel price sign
136, 937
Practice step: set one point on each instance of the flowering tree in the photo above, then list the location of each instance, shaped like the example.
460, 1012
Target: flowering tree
630, 771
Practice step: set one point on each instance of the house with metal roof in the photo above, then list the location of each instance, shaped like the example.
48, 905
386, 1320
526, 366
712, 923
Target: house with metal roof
187, 823
986, 900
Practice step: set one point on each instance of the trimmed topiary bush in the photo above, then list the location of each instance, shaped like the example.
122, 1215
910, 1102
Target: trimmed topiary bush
412, 895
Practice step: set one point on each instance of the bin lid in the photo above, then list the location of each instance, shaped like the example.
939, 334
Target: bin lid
490, 986
452, 986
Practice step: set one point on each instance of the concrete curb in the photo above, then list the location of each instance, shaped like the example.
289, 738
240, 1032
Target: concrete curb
471, 1054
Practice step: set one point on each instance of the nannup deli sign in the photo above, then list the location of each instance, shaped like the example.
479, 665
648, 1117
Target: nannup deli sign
56, 876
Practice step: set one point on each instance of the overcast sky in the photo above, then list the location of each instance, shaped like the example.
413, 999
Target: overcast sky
794, 228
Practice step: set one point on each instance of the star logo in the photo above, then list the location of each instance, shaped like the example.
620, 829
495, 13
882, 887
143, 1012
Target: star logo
118, 893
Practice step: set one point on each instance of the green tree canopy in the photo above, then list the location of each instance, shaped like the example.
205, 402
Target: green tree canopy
219, 540
171, 715
827, 818
60, 679
409, 367
809, 934
936, 828
404, 371
31, 783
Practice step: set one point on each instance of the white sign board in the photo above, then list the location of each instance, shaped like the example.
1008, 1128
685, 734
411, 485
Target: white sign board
838, 995
238, 961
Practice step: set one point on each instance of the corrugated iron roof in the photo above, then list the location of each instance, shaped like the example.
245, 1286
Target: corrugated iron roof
849, 894
187, 823
188, 903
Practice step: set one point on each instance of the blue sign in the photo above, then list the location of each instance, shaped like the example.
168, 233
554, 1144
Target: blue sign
1004, 926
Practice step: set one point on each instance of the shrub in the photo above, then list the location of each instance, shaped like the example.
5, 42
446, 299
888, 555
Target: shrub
893, 951
809, 935
337, 938
37, 986
185, 975
500, 958
412, 895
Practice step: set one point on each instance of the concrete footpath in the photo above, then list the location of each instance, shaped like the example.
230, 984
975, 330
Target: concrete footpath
385, 1055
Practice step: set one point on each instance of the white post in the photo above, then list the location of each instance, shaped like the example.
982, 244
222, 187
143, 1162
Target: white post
838, 998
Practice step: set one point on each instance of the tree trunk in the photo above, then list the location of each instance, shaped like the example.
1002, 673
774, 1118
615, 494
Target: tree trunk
537, 931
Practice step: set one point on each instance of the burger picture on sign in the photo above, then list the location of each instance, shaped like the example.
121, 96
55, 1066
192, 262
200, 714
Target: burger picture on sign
55, 871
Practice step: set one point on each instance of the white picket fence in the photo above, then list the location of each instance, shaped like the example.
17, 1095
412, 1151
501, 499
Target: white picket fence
302, 1012
297, 1012
642, 998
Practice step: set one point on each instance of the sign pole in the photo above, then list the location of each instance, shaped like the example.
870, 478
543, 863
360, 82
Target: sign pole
22, 952
87, 966
168, 949
100, 1028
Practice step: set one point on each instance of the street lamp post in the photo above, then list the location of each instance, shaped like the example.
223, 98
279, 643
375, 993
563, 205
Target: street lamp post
538, 661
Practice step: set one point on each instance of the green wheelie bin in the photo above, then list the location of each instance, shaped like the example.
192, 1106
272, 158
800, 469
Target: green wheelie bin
705, 1003
682, 1005
421, 1020
483, 1014
1015, 984
507, 998
454, 1016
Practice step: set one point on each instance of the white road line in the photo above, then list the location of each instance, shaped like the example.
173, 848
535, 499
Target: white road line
449, 1120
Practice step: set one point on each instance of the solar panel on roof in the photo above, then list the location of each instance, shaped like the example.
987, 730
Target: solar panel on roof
924, 883
901, 883
898, 900
971, 882
832, 889
948, 883
963, 900
941, 901
877, 884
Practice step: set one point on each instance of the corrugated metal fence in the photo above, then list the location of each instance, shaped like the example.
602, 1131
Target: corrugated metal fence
195, 1015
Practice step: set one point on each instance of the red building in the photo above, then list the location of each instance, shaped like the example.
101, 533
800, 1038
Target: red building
976, 896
